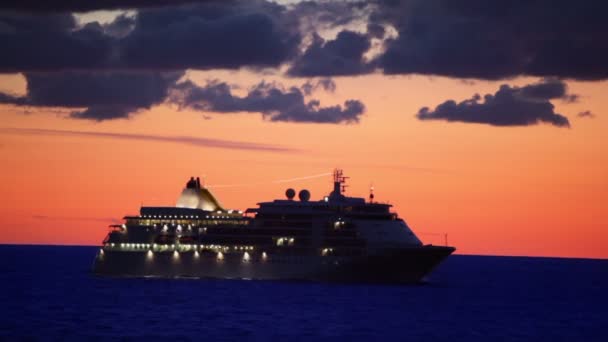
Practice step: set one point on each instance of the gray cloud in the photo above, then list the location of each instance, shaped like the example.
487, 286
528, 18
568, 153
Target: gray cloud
375, 30
341, 56
114, 95
510, 106
494, 40
586, 114
546, 90
208, 36
326, 83
312, 16
187, 140
37, 6
51, 42
120, 27
463, 39
270, 99
105, 95
211, 35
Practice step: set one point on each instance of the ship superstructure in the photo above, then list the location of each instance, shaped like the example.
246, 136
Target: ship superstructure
335, 238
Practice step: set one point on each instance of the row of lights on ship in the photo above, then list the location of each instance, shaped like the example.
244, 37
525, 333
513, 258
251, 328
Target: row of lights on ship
191, 216
173, 246
219, 256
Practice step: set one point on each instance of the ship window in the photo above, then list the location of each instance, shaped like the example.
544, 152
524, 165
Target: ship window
285, 241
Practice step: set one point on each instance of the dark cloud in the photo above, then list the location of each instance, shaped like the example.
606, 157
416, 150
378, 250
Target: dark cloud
113, 95
341, 56
193, 141
375, 30
462, 39
510, 106
227, 35
121, 26
105, 95
12, 99
38, 6
108, 71
272, 100
326, 84
314, 16
105, 112
209, 36
493, 40
550, 88
586, 114
51, 43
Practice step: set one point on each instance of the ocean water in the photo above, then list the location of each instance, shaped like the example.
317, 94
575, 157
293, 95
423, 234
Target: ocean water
48, 292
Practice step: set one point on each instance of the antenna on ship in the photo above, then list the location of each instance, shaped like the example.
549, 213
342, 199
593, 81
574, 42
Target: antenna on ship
339, 186
339, 181
371, 193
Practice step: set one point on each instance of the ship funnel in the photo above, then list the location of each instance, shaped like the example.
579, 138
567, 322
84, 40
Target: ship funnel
196, 197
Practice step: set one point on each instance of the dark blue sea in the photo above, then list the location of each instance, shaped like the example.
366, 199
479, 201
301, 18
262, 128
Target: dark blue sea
48, 292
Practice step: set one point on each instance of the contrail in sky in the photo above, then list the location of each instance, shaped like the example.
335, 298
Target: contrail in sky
302, 178
274, 181
187, 140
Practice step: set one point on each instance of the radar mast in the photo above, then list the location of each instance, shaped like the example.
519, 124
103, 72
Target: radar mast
339, 184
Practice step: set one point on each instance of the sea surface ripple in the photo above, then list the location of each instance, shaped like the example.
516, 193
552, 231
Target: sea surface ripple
48, 292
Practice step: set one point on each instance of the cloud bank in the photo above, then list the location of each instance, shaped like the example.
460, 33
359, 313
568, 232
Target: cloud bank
274, 101
498, 39
465, 39
104, 95
54, 6
470, 39
509, 106
338, 57
114, 95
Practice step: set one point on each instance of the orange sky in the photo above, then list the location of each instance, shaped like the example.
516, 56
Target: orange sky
536, 190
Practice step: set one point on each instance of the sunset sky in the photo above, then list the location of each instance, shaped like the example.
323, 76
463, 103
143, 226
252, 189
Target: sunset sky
110, 105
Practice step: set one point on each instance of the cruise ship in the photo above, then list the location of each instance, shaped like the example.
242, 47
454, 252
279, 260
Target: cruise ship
335, 238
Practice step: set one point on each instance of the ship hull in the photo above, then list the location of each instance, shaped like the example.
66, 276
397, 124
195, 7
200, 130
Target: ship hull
404, 265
